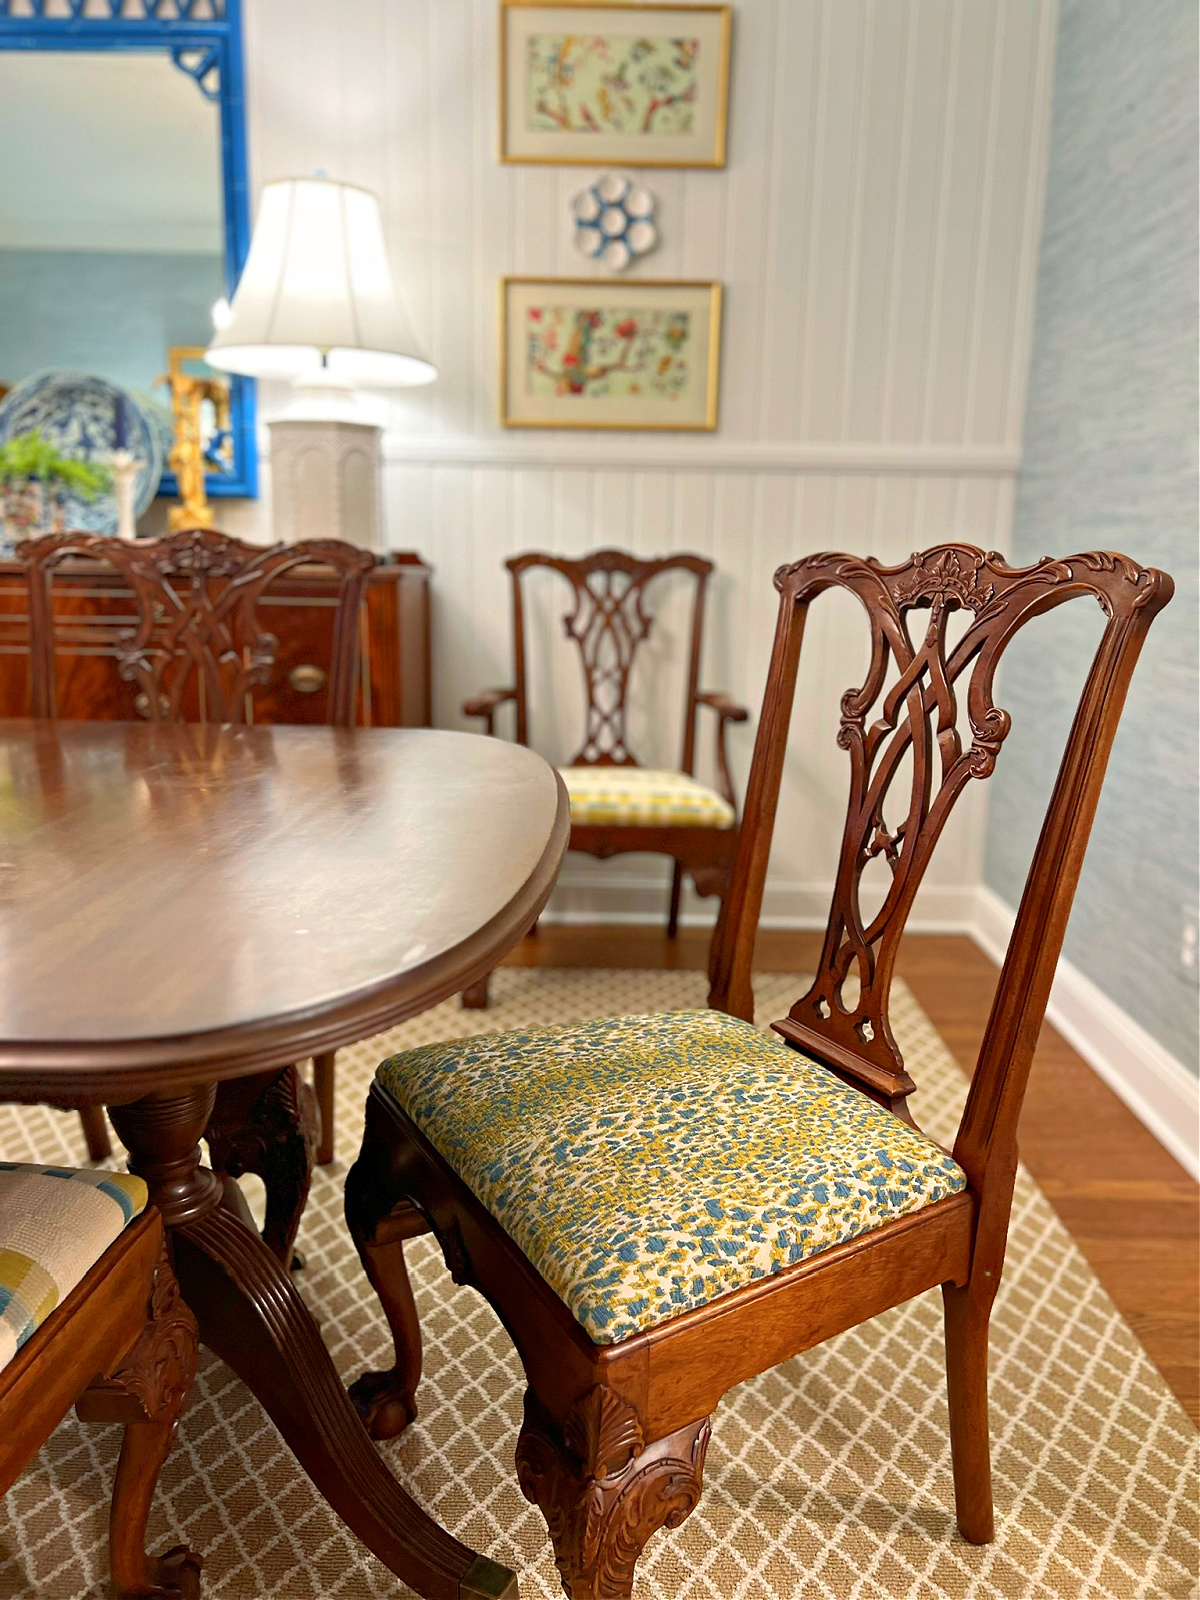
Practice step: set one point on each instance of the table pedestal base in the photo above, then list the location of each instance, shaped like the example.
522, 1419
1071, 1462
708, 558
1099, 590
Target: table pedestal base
252, 1316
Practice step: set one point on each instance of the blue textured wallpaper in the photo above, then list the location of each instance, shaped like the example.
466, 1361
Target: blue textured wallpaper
103, 311
1110, 461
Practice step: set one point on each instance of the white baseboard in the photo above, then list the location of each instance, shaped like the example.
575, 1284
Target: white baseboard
1156, 1087
583, 896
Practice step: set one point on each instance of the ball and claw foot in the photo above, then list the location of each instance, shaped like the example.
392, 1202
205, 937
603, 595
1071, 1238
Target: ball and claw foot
384, 1409
175, 1576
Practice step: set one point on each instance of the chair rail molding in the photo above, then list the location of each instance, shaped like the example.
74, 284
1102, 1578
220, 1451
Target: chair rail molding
637, 454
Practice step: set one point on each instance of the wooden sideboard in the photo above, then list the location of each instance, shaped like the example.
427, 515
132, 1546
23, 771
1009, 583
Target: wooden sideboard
92, 606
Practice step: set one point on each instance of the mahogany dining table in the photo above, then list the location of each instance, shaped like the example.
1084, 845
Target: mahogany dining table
181, 906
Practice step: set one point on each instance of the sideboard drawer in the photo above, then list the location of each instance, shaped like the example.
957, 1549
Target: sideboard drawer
92, 608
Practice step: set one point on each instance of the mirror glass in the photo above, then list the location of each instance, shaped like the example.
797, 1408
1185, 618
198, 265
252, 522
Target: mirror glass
111, 226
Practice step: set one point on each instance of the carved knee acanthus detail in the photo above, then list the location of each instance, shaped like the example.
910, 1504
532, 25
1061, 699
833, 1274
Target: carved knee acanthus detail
603, 1490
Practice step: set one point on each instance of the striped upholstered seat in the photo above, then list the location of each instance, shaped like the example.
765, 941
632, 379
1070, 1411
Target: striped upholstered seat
55, 1223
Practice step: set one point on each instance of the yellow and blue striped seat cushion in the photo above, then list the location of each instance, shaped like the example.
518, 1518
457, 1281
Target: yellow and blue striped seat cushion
649, 1165
55, 1223
643, 797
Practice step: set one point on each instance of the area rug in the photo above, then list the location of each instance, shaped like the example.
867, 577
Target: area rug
827, 1478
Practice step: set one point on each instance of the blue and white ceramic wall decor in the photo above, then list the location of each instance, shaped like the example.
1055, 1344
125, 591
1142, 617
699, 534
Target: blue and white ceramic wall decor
88, 417
614, 221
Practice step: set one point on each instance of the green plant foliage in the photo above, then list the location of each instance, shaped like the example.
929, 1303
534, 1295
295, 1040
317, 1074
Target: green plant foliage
29, 457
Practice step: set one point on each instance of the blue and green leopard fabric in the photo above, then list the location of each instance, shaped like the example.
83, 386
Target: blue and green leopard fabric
648, 1165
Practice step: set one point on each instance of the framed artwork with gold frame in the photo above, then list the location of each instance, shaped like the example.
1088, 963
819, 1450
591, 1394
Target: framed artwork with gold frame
623, 83
591, 353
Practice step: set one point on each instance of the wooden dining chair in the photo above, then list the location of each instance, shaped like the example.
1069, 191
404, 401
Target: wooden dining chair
92, 1318
661, 1207
196, 652
617, 805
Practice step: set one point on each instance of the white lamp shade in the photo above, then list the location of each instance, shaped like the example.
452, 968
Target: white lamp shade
316, 292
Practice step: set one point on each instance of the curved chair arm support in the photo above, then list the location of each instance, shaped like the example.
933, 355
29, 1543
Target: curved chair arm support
484, 705
727, 711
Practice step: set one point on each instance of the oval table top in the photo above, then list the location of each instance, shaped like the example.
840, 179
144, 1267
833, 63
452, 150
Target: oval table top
181, 904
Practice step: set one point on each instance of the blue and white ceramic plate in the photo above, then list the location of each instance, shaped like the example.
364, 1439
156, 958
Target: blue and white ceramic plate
87, 417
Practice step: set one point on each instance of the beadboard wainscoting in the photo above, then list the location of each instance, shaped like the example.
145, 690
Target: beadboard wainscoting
876, 230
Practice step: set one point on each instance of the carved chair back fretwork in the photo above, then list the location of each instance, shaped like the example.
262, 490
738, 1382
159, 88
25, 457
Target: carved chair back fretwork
198, 644
915, 726
608, 620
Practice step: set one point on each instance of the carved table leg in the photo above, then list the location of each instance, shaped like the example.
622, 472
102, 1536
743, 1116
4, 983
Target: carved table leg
251, 1315
602, 1490
147, 1392
268, 1124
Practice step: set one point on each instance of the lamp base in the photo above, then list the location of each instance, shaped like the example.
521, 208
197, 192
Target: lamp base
326, 480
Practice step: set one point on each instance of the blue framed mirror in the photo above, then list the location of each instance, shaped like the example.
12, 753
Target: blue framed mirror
125, 217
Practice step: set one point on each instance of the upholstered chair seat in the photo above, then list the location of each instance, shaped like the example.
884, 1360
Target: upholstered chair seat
643, 797
648, 1165
55, 1223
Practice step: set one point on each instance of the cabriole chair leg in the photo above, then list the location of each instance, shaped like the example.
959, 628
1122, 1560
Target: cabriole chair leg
147, 1392
602, 1490
380, 1220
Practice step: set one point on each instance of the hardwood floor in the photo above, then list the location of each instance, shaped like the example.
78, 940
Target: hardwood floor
1129, 1205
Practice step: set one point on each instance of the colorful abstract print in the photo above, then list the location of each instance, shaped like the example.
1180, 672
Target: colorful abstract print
607, 354
649, 1165
610, 83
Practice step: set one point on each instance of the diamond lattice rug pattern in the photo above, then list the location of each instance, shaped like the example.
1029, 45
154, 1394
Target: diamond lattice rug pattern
827, 1478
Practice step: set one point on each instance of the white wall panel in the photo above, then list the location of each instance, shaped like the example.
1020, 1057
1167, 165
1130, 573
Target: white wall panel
876, 230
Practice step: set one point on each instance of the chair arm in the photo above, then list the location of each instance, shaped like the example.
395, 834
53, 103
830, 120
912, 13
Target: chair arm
727, 711
484, 705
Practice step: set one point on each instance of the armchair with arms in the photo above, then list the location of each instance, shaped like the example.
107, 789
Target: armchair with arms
617, 805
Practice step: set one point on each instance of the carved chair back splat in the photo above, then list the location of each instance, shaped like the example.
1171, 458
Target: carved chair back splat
608, 620
614, 1435
198, 648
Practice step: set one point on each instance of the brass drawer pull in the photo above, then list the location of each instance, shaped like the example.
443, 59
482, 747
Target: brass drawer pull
307, 679
142, 703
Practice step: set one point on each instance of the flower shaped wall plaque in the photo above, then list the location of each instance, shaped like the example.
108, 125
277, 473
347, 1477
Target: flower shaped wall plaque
614, 221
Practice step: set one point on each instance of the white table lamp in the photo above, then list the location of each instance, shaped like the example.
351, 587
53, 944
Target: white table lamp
316, 304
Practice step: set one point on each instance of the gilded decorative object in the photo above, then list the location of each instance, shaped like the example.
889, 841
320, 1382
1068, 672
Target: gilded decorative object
196, 449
